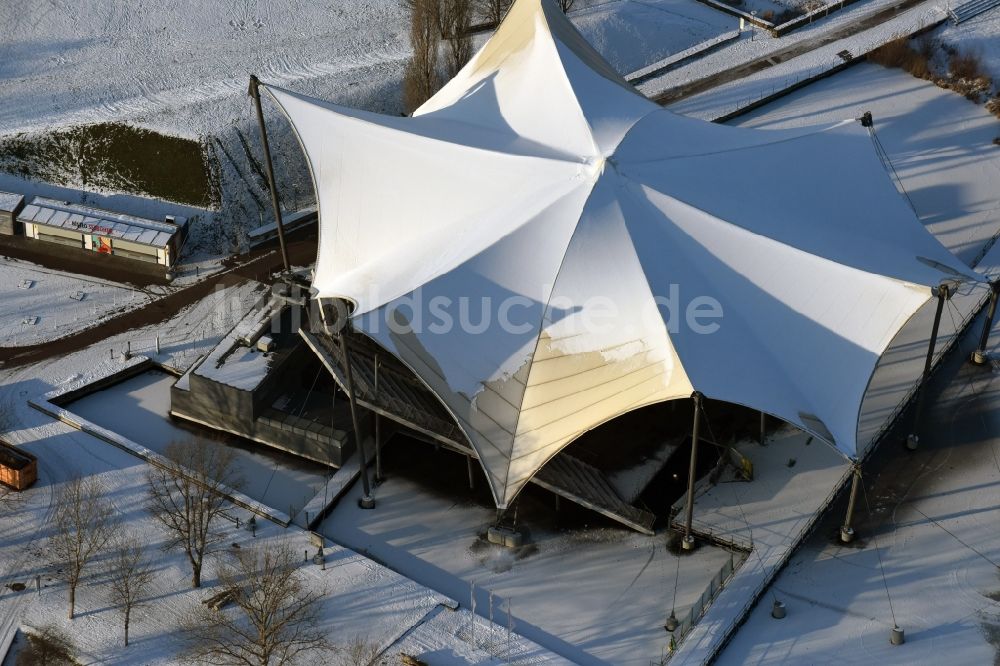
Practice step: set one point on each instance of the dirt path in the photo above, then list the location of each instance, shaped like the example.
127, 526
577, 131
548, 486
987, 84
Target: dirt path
864, 23
253, 265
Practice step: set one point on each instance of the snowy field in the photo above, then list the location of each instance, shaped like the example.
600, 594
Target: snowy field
939, 143
138, 409
632, 34
362, 599
38, 304
592, 594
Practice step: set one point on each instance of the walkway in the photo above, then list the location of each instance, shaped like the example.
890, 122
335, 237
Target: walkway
711, 87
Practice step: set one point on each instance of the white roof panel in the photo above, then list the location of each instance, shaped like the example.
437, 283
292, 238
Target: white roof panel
539, 193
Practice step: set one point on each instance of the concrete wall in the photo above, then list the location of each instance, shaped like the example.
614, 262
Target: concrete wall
6, 223
249, 414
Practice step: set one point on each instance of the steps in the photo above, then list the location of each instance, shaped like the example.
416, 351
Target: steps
586, 485
970, 9
398, 397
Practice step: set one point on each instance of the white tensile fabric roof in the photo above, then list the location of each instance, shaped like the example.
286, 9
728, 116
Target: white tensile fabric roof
539, 179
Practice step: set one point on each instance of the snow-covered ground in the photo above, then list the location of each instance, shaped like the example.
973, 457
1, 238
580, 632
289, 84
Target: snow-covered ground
365, 600
362, 599
632, 34
138, 408
39, 304
194, 331
89, 60
592, 594
939, 143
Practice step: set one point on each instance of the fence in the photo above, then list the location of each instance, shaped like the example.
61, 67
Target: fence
498, 641
711, 591
659, 67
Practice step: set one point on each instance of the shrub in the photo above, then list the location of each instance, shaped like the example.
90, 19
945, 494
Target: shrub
993, 106
966, 66
968, 77
899, 53
787, 15
926, 46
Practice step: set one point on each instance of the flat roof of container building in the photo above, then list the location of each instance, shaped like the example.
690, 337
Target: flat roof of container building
9, 201
95, 221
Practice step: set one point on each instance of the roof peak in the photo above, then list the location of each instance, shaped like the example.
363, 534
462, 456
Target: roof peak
537, 59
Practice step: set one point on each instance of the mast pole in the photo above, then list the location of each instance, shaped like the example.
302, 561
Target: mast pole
255, 93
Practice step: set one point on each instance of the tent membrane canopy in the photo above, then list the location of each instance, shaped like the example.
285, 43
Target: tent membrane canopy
547, 249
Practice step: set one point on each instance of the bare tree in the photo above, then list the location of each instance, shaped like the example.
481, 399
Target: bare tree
566, 5
494, 10
132, 574
274, 619
82, 525
359, 651
456, 19
421, 79
186, 496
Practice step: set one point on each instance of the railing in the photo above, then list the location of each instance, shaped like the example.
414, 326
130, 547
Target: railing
971, 9
789, 84
708, 595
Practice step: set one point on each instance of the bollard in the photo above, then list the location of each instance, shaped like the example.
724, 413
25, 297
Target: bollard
672, 623
896, 636
778, 610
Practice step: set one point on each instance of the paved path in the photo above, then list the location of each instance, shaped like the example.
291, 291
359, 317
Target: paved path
249, 266
798, 48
